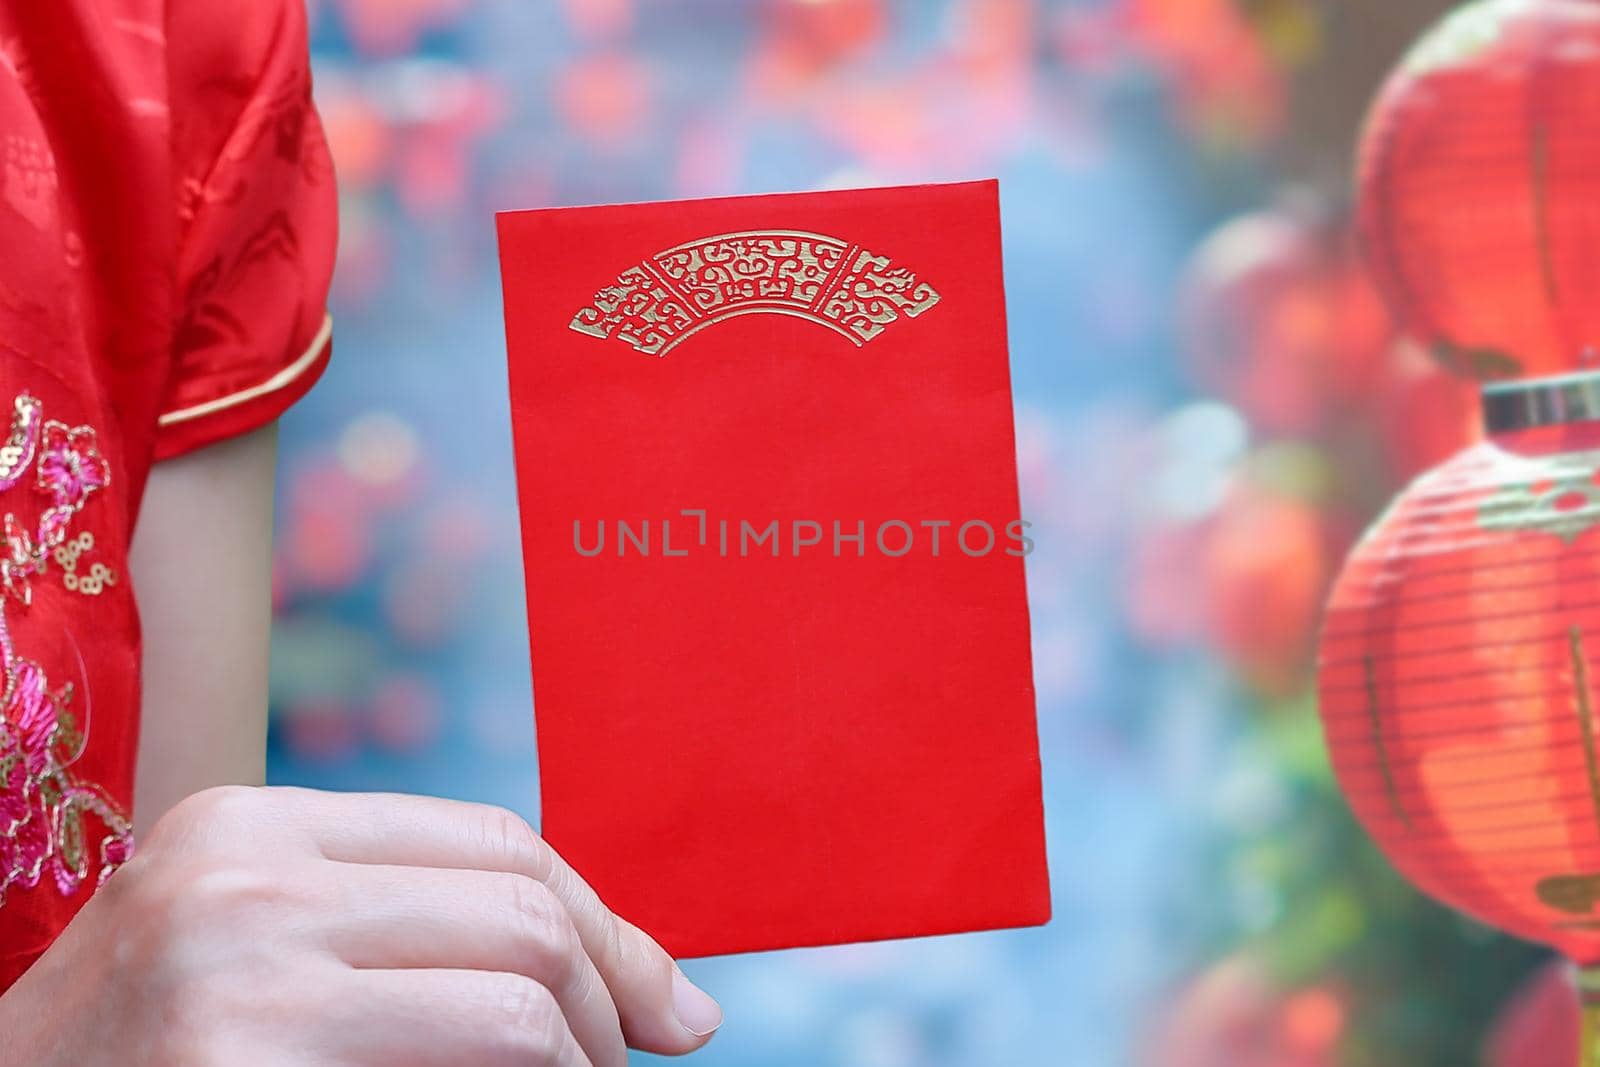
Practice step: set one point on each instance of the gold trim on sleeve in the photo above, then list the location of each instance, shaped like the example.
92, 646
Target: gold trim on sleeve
280, 380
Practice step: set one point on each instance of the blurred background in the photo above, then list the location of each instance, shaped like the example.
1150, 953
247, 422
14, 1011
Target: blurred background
1211, 404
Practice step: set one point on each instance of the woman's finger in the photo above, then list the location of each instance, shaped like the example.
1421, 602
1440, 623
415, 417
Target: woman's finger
444, 1018
385, 917
660, 1010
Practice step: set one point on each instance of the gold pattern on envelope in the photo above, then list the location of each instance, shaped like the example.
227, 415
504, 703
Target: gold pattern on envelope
833, 283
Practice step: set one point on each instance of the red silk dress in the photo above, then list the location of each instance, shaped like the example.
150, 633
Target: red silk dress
167, 229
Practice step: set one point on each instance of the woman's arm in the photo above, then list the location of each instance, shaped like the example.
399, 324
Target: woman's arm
202, 570
279, 926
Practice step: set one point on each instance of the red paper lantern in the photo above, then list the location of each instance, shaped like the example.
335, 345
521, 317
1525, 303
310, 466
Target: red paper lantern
1233, 1015
1460, 679
1460, 684
1480, 188
1280, 319
1248, 580
1261, 579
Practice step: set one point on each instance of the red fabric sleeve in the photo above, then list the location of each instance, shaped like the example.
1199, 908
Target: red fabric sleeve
257, 213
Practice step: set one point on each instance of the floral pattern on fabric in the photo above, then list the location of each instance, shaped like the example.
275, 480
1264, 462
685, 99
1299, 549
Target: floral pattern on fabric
44, 807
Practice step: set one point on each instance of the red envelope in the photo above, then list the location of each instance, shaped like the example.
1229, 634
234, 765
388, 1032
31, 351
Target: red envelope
759, 729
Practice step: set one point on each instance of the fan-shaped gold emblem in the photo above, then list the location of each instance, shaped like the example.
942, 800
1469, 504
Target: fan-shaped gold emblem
674, 294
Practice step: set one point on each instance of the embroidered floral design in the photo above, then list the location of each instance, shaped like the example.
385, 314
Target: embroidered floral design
94, 578
70, 468
43, 804
23, 442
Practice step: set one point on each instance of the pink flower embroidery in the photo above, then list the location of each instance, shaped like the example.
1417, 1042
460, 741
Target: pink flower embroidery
70, 466
31, 717
43, 805
53, 525
20, 561
25, 838
25, 771
115, 850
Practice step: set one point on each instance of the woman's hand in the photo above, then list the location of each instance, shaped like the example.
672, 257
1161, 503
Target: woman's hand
290, 928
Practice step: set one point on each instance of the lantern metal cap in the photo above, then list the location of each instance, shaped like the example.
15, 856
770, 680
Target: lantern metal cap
1531, 403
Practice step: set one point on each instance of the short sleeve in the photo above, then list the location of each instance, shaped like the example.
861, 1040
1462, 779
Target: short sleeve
257, 220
